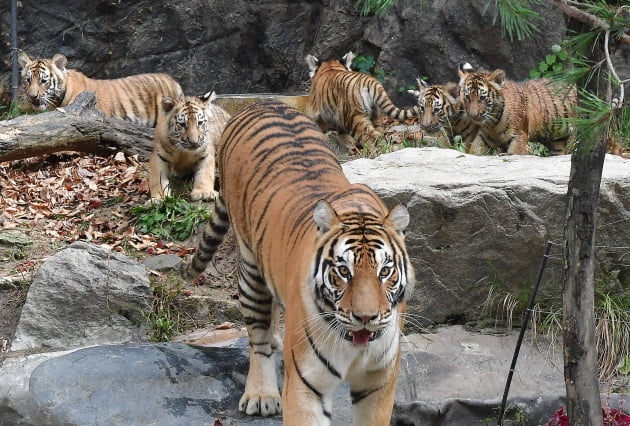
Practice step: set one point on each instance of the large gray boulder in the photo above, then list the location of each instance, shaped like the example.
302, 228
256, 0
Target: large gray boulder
480, 225
240, 46
84, 295
451, 377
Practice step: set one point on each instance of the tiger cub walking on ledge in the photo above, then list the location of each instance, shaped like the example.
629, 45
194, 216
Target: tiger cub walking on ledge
349, 102
186, 136
442, 114
328, 251
48, 84
510, 114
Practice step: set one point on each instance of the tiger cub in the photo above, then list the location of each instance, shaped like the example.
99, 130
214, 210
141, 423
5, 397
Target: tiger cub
510, 114
186, 136
48, 84
326, 250
349, 102
442, 113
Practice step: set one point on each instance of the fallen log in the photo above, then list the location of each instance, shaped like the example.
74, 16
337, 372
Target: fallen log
76, 127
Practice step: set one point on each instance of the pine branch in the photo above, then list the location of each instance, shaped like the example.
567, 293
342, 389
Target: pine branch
586, 18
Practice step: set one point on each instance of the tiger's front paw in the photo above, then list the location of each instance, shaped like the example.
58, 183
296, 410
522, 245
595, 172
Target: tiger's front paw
261, 404
204, 195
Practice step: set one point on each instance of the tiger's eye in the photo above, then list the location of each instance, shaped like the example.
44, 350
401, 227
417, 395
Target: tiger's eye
343, 271
385, 270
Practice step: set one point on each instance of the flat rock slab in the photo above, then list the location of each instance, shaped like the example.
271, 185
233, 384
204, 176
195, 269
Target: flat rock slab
450, 377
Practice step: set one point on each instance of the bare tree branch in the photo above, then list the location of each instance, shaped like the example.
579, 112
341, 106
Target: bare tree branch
588, 19
77, 127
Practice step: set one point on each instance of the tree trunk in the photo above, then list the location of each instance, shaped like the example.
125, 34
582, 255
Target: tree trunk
77, 127
580, 350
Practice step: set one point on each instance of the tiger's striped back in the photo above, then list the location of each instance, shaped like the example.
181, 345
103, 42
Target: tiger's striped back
349, 101
326, 250
510, 114
48, 84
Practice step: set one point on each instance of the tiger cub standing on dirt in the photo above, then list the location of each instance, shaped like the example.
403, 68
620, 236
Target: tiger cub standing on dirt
48, 84
349, 102
510, 114
442, 114
328, 251
187, 134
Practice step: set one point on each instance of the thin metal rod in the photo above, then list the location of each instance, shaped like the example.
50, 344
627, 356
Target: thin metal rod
522, 333
14, 52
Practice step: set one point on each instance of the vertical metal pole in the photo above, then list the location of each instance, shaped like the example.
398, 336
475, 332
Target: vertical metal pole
14, 52
528, 313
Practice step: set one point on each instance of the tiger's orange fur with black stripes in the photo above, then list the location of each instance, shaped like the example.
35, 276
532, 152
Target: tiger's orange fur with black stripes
329, 252
349, 102
442, 113
48, 84
510, 114
186, 135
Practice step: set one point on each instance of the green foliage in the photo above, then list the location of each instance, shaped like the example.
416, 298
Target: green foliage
9, 112
164, 317
554, 63
539, 149
367, 65
458, 144
373, 7
516, 16
172, 218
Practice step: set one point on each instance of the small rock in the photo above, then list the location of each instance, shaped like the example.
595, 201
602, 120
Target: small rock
162, 262
13, 237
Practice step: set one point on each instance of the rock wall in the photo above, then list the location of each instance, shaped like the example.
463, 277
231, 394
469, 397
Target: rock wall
240, 46
479, 226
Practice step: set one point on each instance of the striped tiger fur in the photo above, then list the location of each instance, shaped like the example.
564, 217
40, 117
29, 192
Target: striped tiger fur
442, 113
349, 102
510, 114
186, 136
48, 84
327, 251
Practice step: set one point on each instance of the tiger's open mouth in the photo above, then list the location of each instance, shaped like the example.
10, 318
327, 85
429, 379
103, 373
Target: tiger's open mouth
362, 337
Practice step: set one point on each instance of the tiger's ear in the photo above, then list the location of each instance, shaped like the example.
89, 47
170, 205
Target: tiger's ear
208, 97
398, 217
313, 63
24, 60
497, 77
347, 60
463, 69
60, 61
415, 93
168, 104
324, 216
422, 86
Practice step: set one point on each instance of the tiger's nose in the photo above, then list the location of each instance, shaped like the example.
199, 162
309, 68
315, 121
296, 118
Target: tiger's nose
364, 317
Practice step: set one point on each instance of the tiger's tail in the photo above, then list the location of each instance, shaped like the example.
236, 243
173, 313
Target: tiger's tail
212, 237
387, 107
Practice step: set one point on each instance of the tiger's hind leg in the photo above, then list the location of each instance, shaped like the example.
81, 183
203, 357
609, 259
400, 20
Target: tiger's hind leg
260, 313
363, 131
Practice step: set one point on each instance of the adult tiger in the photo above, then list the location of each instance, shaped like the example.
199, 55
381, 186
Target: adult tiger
326, 250
510, 114
349, 102
48, 84
186, 136
442, 113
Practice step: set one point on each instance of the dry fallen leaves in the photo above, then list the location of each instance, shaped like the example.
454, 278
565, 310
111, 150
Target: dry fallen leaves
78, 197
